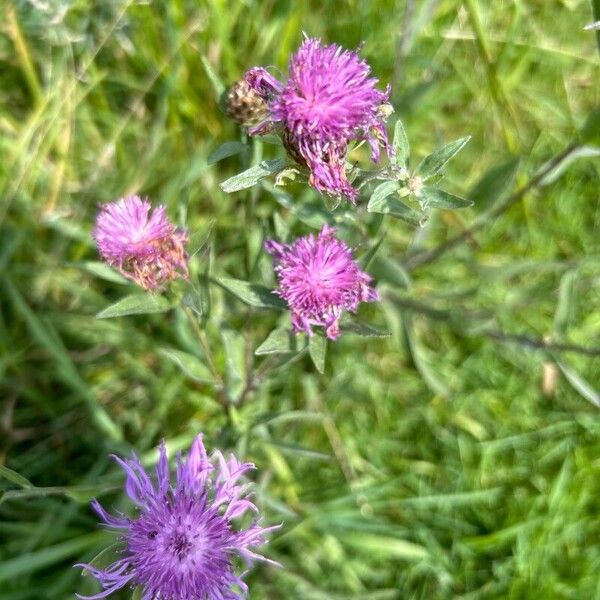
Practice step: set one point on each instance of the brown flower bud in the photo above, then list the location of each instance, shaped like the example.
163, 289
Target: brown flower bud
245, 106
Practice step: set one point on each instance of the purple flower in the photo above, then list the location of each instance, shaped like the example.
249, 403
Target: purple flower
182, 543
329, 100
319, 279
143, 245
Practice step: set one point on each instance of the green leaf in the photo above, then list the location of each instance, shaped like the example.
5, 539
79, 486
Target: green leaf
434, 163
381, 192
596, 17
431, 197
362, 329
494, 184
200, 238
136, 304
400, 146
564, 306
197, 298
290, 416
253, 175
218, 85
422, 364
79, 493
225, 151
30, 562
331, 203
100, 270
369, 255
250, 293
189, 364
279, 341
590, 132
563, 165
297, 450
383, 268
235, 360
48, 338
317, 348
581, 385
385, 201
387, 546
14, 477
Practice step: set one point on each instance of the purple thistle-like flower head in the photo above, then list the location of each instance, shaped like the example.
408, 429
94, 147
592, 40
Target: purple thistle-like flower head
141, 243
319, 279
329, 100
182, 543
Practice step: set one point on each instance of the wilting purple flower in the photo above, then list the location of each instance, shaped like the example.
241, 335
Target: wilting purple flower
319, 279
329, 100
182, 543
143, 245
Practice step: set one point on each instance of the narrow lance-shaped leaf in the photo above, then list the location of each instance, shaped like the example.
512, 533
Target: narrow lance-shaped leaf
136, 304
280, 341
387, 546
400, 145
362, 329
564, 306
495, 183
434, 163
579, 383
253, 294
226, 150
189, 364
15, 477
565, 163
366, 259
215, 80
317, 348
384, 268
253, 175
200, 238
235, 361
596, 16
385, 201
430, 197
101, 270
590, 132
430, 377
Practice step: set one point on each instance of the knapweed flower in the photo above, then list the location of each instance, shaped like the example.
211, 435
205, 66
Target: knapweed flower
329, 100
142, 244
319, 279
182, 543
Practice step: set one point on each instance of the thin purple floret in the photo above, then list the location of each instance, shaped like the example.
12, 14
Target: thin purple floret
319, 279
183, 541
141, 243
329, 100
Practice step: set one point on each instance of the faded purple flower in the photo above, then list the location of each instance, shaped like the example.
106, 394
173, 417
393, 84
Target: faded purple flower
182, 543
319, 279
329, 100
141, 243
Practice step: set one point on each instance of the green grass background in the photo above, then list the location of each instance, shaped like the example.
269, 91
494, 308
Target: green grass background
427, 465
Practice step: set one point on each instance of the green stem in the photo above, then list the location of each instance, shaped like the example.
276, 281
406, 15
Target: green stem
14, 31
201, 337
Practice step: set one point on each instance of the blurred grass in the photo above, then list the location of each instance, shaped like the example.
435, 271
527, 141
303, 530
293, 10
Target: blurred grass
429, 465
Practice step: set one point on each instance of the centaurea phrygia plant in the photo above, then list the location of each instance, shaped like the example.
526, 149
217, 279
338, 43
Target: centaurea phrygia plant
182, 543
319, 279
141, 243
329, 100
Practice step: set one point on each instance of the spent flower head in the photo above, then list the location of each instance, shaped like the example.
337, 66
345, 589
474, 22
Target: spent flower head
182, 542
319, 279
329, 100
142, 244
